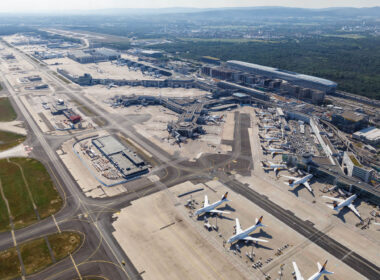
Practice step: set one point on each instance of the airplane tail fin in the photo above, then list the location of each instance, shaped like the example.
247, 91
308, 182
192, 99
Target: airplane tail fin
260, 136
322, 269
258, 222
335, 204
225, 196
264, 149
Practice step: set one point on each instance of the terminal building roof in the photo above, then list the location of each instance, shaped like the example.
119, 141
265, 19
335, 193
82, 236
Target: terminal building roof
284, 73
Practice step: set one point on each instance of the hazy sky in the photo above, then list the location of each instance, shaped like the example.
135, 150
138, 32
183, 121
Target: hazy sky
64, 5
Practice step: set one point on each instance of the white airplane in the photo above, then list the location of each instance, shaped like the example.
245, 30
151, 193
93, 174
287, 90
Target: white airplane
244, 234
294, 181
214, 118
267, 120
272, 151
273, 166
266, 127
262, 114
340, 203
321, 271
269, 139
210, 208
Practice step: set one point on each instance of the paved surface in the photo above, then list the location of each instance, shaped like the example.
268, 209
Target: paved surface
100, 254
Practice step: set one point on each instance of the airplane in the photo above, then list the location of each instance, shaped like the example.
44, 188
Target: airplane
294, 181
266, 127
269, 139
321, 271
340, 203
214, 118
273, 166
111, 85
262, 114
244, 234
267, 120
272, 151
210, 208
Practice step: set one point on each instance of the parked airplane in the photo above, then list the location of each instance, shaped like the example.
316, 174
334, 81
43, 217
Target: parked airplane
214, 118
244, 234
266, 127
269, 139
111, 85
273, 166
321, 271
294, 181
210, 208
272, 151
267, 120
262, 114
338, 204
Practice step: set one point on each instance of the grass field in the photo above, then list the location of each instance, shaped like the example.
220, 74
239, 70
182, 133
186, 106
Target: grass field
7, 113
41, 187
4, 217
35, 254
14, 190
9, 264
63, 243
10, 139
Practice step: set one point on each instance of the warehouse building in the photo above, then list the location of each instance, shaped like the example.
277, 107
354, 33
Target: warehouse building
125, 160
302, 80
370, 135
350, 121
94, 55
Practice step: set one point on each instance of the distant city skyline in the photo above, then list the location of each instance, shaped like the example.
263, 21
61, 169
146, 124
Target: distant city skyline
71, 5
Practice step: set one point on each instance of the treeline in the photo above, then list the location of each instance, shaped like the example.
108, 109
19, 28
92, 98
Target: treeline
353, 63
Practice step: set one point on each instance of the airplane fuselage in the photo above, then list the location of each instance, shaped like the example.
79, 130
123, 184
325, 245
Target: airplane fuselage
209, 207
301, 181
242, 234
347, 202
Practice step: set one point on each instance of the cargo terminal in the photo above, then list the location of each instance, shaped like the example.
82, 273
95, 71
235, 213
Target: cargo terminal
122, 158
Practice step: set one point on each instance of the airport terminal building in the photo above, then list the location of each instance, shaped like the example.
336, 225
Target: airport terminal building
125, 160
301, 80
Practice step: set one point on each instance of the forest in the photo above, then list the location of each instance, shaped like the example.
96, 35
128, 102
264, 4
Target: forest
353, 63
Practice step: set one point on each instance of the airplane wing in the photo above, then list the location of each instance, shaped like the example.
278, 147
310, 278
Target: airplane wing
333, 199
219, 212
238, 227
297, 272
319, 266
353, 209
206, 201
249, 238
306, 184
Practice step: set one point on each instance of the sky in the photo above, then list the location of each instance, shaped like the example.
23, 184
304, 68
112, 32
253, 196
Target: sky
67, 5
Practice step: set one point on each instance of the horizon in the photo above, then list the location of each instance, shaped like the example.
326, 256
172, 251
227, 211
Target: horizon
71, 6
